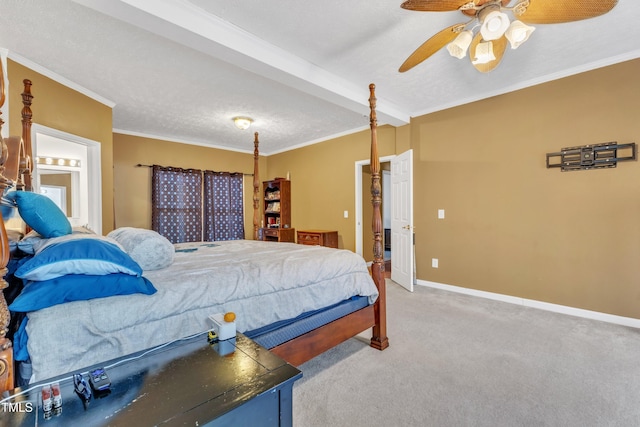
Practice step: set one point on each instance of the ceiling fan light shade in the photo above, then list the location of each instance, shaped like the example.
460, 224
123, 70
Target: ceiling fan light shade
518, 33
494, 25
459, 46
484, 53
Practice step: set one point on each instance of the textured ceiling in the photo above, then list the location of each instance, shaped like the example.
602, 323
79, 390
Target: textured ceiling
180, 70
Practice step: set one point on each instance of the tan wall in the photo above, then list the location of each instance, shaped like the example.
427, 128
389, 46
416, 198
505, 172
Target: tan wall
323, 181
59, 107
133, 184
515, 227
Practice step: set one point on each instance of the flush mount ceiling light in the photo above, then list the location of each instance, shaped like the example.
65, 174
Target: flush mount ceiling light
242, 123
488, 45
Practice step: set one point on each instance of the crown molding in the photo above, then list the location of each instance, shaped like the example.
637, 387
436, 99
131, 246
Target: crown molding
605, 62
59, 79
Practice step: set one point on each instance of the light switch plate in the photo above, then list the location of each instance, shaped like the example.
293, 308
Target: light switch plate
440, 213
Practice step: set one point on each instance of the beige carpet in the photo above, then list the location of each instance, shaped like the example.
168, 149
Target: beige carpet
457, 360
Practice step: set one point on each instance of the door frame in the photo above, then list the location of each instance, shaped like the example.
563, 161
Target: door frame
358, 212
94, 168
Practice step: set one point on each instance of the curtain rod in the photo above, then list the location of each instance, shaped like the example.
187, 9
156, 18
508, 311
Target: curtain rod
140, 165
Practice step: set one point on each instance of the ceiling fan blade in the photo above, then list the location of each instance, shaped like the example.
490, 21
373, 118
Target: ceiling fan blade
499, 47
433, 5
556, 12
430, 47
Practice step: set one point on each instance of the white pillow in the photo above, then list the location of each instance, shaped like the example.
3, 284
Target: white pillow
147, 247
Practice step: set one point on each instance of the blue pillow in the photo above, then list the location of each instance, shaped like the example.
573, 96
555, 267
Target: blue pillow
78, 256
40, 213
8, 212
78, 287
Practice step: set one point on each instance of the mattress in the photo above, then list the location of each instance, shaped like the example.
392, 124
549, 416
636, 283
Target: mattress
262, 282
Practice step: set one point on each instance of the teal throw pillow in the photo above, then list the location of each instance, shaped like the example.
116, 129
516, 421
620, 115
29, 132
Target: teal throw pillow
40, 213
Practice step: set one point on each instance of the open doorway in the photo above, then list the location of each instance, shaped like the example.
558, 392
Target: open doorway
364, 210
386, 215
399, 194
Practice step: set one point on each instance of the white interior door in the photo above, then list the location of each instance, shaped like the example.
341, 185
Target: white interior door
402, 262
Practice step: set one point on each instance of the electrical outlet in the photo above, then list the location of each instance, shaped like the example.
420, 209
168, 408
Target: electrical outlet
346, 214
440, 213
434, 262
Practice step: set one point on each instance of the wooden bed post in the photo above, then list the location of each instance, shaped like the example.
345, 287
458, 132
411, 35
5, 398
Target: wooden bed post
24, 168
6, 350
256, 187
379, 339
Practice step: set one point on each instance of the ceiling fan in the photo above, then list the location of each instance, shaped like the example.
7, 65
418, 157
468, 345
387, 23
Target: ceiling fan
488, 45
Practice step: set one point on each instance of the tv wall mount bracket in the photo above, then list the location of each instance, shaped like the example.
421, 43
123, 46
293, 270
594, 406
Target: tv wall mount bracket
596, 156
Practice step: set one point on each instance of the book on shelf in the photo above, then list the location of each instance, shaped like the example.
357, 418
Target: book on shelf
273, 207
273, 222
272, 195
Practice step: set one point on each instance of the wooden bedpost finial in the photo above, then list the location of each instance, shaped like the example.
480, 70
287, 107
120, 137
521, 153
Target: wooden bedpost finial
256, 186
373, 120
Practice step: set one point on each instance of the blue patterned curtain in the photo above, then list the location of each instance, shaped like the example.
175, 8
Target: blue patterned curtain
177, 203
191, 206
223, 206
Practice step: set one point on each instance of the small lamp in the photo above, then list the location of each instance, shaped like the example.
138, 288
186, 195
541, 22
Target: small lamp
484, 53
518, 33
242, 123
459, 46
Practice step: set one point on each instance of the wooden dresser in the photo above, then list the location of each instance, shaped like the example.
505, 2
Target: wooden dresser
318, 237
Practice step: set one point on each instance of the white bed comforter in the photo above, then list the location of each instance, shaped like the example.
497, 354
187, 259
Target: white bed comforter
262, 282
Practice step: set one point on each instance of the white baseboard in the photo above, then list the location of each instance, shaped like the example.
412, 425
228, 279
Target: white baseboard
571, 311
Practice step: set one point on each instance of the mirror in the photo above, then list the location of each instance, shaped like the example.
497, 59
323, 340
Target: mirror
66, 168
60, 187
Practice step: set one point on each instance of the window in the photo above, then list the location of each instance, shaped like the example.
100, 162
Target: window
223, 207
190, 205
176, 197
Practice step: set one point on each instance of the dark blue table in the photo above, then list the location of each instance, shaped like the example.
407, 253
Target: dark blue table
230, 383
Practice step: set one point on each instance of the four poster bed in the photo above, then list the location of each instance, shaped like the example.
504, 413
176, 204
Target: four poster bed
260, 281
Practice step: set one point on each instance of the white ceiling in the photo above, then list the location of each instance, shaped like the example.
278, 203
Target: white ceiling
181, 69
